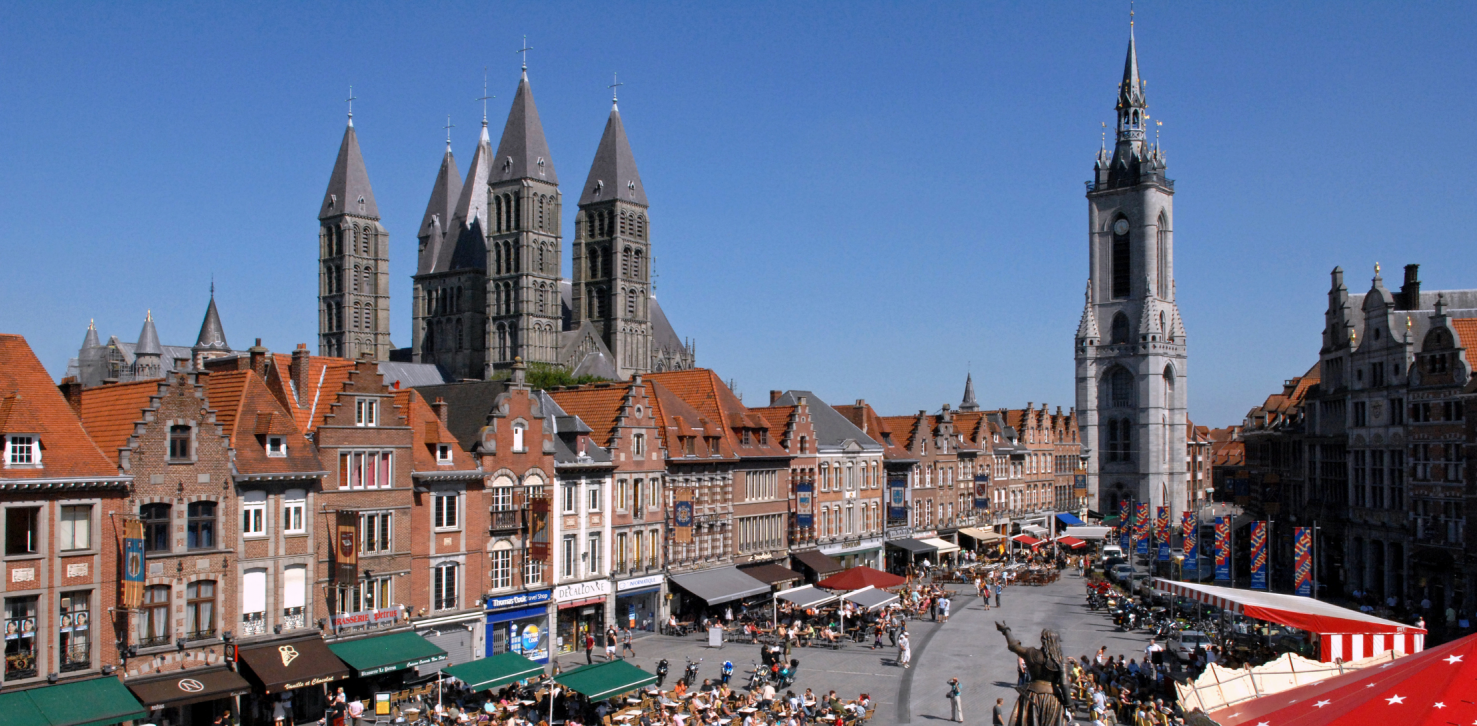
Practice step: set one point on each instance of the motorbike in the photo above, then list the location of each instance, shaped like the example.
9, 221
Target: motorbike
689, 676
787, 673
661, 672
727, 671
758, 676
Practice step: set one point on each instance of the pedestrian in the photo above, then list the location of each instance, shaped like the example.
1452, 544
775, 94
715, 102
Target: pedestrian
956, 701
944, 608
589, 647
877, 635
998, 587
904, 650
1022, 673
610, 643
999, 717
626, 645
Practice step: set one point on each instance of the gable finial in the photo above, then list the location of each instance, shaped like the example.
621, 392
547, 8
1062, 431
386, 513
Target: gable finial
1130, 18
484, 99
350, 100
524, 50
212, 286
615, 83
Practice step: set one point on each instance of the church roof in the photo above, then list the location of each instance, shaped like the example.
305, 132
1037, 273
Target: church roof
90, 340
969, 403
148, 339
523, 153
348, 187
613, 174
663, 336
212, 334
439, 211
465, 247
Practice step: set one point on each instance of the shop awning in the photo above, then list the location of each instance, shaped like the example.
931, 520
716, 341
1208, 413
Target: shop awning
294, 664
871, 599
857, 578
1342, 633
605, 680
385, 653
1026, 539
1070, 541
942, 545
719, 585
1069, 519
182, 688
1089, 533
982, 535
819, 562
913, 546
93, 702
1035, 531
772, 574
808, 596
494, 671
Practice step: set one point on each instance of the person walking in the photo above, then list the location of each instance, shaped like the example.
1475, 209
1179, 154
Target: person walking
904, 649
944, 608
956, 701
626, 646
610, 643
589, 648
999, 717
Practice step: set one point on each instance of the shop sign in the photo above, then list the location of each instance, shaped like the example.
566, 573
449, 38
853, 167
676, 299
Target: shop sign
581, 590
638, 582
897, 533
518, 599
366, 617
925, 534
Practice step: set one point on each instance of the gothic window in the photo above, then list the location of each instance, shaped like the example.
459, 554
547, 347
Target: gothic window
594, 253
460, 338
1119, 334
429, 344
541, 199
1166, 265
607, 265
590, 302
369, 281
630, 303
602, 306
1120, 260
497, 214
641, 227
1120, 385
369, 317
356, 316
1163, 326
355, 288
542, 296
626, 263
636, 270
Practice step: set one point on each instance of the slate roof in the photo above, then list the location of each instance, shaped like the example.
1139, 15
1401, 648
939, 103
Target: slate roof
465, 246
399, 374
148, 339
663, 336
349, 183
832, 430
428, 431
613, 174
30, 403
522, 146
247, 413
439, 211
863, 416
110, 412
212, 334
467, 405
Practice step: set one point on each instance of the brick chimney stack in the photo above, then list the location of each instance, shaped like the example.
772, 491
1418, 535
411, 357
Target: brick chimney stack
299, 370
258, 358
774, 397
440, 407
1410, 290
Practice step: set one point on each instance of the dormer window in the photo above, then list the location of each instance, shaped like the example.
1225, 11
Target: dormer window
179, 443
276, 446
748, 437
366, 412
443, 453
22, 450
688, 447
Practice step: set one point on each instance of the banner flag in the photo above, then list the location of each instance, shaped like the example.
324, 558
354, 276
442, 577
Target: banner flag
682, 515
897, 500
346, 548
1303, 555
804, 505
1258, 555
1125, 524
1141, 529
982, 491
133, 563
538, 527
1161, 533
1222, 548
1191, 527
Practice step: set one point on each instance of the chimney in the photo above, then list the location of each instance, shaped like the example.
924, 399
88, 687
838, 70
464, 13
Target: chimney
258, 358
439, 406
774, 397
72, 391
1410, 290
299, 370
860, 402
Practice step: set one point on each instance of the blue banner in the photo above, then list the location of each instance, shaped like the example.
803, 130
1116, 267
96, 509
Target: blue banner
1303, 561
897, 499
1222, 548
1258, 555
804, 505
1191, 527
1141, 529
1125, 524
982, 491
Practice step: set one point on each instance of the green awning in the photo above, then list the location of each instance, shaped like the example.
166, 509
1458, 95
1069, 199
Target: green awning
385, 653
93, 702
605, 680
494, 672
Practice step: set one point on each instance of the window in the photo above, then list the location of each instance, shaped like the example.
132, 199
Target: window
620, 552
444, 511
294, 596
75, 618
594, 550
156, 527
75, 531
569, 556
1121, 274
571, 492
638, 444
518, 444
179, 443
502, 569
1361, 479
200, 610
153, 618
374, 532
20, 637
533, 571
276, 446
1360, 417
23, 451
366, 470
594, 491
366, 411
200, 526
254, 514
622, 495
443, 586
294, 502
687, 445
1120, 384
443, 453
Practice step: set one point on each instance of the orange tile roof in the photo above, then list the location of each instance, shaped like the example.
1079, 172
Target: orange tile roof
109, 412
427, 430
675, 418
972, 425
67, 451
223, 391
598, 405
701, 389
904, 430
325, 379
778, 418
865, 418
248, 412
1466, 332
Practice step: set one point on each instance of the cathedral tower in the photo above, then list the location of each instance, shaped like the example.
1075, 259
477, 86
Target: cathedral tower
611, 285
521, 202
354, 257
1131, 385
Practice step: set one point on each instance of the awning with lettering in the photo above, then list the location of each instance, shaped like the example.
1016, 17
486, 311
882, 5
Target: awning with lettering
182, 688
384, 653
720, 585
93, 702
294, 664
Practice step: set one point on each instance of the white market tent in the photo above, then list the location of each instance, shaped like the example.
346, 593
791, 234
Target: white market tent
1088, 533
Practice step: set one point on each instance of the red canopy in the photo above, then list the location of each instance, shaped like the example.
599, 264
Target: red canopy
1026, 539
857, 578
1072, 542
1432, 687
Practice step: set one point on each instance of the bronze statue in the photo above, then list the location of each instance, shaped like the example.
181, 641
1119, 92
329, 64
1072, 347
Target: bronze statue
1044, 701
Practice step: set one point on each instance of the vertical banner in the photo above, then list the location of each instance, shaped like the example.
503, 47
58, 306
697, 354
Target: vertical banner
1161, 533
1222, 548
682, 515
537, 514
345, 548
982, 491
1191, 527
805, 505
1125, 524
897, 499
1141, 529
1303, 556
133, 563
1079, 485
1258, 555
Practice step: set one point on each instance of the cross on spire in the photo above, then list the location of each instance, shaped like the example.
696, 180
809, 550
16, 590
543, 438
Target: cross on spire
614, 84
485, 98
350, 100
449, 126
524, 50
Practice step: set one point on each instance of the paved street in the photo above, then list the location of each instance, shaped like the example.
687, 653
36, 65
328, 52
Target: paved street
967, 647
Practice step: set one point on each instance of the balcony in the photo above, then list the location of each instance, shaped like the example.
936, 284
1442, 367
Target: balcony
252, 624
638, 513
153, 641
505, 521
293, 618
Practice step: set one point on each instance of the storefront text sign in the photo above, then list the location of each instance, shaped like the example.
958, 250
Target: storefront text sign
365, 617
581, 590
517, 599
638, 582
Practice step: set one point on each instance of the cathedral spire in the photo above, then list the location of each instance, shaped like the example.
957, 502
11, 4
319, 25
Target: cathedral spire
969, 403
465, 246
348, 187
523, 153
613, 174
1132, 106
439, 210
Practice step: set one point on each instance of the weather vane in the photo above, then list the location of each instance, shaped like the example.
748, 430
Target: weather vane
524, 50
484, 99
350, 99
449, 127
614, 84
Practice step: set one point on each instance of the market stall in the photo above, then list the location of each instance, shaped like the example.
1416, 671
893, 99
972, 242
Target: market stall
494, 671
605, 680
1340, 633
1070, 542
1026, 540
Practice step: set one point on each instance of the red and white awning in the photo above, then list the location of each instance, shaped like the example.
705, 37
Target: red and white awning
1342, 633
1072, 542
1026, 539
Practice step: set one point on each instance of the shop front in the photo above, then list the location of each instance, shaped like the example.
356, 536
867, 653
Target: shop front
716, 591
519, 623
384, 662
856, 552
907, 552
459, 635
638, 602
581, 608
91, 702
289, 679
189, 698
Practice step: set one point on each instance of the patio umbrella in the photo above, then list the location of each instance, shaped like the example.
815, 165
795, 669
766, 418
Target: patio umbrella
857, 578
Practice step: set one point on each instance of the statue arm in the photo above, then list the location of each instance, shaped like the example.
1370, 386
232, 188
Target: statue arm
1010, 642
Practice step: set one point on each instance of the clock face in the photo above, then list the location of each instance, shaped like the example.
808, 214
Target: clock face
1120, 227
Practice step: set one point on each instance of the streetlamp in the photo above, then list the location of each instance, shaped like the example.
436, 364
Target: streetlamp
1179, 562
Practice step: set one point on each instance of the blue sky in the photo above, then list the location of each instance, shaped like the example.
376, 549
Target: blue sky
862, 199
